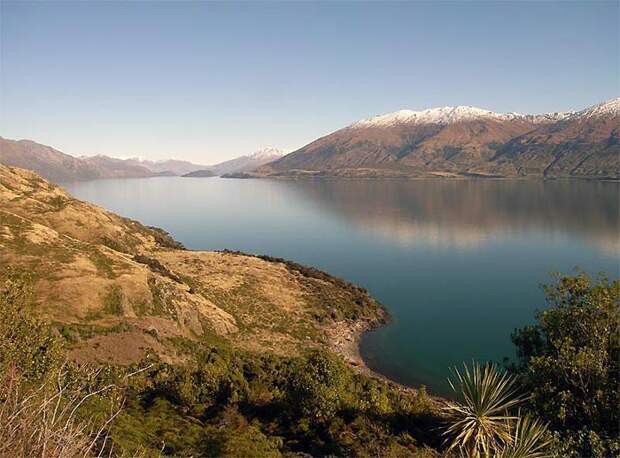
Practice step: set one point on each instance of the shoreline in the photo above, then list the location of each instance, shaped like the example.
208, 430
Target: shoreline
344, 339
344, 336
534, 178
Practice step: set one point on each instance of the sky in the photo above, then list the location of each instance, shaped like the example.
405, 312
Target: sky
208, 81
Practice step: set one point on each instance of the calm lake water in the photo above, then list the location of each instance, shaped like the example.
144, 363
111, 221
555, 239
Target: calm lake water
458, 263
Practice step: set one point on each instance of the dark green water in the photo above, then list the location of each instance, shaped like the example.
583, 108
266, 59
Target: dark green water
457, 263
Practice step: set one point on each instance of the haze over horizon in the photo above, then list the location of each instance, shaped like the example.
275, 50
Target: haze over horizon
207, 82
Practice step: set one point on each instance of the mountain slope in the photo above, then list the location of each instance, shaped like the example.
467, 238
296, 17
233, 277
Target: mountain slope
171, 166
247, 163
45, 160
239, 164
58, 166
119, 290
464, 141
586, 143
112, 167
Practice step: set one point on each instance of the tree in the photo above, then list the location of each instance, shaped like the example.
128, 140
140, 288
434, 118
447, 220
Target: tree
317, 386
569, 362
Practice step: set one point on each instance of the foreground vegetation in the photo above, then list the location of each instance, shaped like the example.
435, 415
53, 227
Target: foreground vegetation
487, 423
562, 396
569, 364
560, 399
222, 402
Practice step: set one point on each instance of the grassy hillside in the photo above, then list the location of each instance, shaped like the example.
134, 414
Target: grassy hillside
119, 288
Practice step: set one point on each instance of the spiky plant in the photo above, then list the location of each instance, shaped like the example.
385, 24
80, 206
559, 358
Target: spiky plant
481, 422
529, 439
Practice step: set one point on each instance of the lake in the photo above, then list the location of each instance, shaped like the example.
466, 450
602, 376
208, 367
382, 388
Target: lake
458, 264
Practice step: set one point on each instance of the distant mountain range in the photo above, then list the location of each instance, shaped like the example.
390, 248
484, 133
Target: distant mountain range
57, 166
464, 141
172, 167
448, 142
239, 164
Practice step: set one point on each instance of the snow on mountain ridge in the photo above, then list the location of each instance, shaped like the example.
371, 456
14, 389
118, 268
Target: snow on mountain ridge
451, 115
441, 115
609, 107
267, 153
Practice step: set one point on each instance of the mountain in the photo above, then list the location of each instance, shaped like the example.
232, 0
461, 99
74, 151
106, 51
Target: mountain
247, 163
184, 168
112, 167
170, 167
58, 166
200, 174
464, 141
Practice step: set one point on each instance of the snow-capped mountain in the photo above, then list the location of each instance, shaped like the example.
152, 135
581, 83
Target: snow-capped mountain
248, 162
462, 113
465, 140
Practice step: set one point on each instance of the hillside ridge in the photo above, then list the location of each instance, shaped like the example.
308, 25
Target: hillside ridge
119, 290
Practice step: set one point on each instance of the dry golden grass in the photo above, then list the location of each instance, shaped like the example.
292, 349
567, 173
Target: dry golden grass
122, 290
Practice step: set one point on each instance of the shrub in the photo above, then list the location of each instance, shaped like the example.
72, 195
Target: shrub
318, 386
530, 439
26, 345
569, 362
113, 301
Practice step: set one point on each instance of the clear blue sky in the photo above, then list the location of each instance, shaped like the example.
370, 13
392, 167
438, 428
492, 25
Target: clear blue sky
209, 81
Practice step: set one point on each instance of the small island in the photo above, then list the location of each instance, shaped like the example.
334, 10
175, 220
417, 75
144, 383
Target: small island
199, 174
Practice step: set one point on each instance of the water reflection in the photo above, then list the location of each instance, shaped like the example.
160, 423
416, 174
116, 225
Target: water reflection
465, 214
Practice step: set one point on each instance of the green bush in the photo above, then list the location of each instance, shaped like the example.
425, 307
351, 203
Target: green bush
317, 386
113, 301
26, 344
569, 362
226, 402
